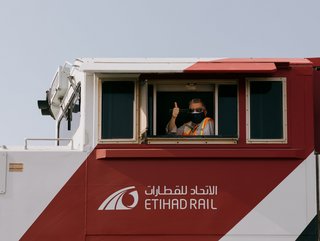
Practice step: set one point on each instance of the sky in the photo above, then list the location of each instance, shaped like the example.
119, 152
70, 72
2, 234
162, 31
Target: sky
39, 35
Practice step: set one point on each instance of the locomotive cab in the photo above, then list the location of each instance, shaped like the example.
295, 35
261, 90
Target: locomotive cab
253, 178
126, 107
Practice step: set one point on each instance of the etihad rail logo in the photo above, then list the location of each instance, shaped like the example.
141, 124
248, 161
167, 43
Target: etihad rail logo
119, 200
163, 197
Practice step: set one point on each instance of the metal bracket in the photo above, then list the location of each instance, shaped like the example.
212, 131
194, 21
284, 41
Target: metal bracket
3, 172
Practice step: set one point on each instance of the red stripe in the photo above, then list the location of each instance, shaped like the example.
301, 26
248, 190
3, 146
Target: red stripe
73, 214
215, 67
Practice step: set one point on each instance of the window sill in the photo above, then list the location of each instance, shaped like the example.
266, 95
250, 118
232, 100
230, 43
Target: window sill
267, 141
190, 140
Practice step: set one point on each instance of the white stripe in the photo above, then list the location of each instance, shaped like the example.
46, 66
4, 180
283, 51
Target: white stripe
145, 65
285, 212
29, 192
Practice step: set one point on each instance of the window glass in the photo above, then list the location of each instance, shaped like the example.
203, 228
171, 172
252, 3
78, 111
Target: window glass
266, 110
117, 110
227, 111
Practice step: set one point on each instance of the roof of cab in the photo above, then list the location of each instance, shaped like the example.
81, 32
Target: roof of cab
180, 65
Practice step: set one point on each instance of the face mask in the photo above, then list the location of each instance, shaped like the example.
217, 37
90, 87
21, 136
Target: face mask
197, 117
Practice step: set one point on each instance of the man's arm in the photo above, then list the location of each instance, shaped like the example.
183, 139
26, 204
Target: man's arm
171, 127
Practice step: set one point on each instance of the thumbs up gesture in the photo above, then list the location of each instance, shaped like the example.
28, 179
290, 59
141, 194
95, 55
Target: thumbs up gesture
175, 111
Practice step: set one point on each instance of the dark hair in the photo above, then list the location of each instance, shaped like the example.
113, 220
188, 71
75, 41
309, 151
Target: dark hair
197, 100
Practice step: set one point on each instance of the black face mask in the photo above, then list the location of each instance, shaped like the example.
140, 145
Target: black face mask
197, 117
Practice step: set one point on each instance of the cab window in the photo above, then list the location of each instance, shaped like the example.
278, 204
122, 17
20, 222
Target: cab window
267, 110
220, 100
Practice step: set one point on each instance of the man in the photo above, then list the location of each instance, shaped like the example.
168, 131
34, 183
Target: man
200, 125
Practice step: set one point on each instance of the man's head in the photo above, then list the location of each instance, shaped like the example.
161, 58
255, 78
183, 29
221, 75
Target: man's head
197, 105
197, 110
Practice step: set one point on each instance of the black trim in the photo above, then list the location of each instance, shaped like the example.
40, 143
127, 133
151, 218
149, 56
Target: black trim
310, 233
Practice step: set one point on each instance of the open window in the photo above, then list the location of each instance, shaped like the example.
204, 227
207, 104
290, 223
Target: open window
266, 110
220, 98
118, 110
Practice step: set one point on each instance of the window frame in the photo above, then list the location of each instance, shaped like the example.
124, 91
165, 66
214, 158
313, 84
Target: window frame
185, 140
283, 140
119, 77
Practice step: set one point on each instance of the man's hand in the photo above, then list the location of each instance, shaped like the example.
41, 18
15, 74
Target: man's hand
175, 111
172, 128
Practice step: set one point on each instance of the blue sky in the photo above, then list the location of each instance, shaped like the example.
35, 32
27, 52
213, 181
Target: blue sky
38, 35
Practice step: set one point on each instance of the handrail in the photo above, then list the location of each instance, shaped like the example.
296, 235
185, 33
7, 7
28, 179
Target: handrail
46, 139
